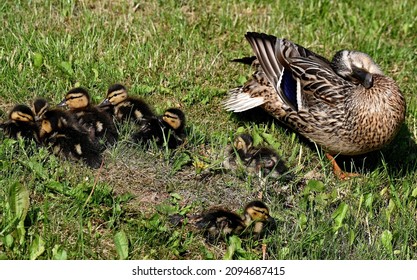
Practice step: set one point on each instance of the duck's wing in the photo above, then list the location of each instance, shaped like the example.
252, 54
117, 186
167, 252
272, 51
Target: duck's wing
317, 81
295, 71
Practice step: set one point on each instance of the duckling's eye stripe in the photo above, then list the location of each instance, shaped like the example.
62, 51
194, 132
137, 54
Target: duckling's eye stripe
20, 115
170, 116
260, 211
116, 93
74, 97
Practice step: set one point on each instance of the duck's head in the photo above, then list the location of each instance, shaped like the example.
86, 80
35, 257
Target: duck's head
258, 213
243, 143
357, 67
175, 118
40, 106
21, 113
115, 94
76, 98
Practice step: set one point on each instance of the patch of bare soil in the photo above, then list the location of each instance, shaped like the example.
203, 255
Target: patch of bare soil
148, 178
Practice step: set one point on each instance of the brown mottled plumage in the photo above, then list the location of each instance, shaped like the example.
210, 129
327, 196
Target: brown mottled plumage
347, 106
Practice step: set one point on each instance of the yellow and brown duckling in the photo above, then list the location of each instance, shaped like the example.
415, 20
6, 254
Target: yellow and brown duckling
255, 160
124, 107
60, 132
166, 129
238, 152
21, 123
218, 222
98, 123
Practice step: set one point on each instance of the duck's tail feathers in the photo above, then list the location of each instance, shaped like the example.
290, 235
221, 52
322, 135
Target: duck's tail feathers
240, 101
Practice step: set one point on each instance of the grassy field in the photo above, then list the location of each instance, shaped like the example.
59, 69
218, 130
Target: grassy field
177, 53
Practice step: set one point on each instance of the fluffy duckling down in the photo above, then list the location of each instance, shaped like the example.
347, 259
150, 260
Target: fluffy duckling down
21, 123
165, 129
97, 122
219, 222
62, 134
124, 107
261, 160
39, 107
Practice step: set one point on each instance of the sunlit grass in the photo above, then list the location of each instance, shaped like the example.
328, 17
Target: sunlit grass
177, 53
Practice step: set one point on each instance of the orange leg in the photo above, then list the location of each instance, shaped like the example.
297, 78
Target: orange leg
340, 174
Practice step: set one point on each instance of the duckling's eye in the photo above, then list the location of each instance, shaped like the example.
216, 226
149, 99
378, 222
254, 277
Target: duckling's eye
115, 94
262, 212
19, 116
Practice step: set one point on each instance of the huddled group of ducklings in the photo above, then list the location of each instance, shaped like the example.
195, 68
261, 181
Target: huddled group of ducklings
84, 130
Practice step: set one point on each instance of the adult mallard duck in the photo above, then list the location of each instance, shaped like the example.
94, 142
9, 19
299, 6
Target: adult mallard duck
346, 106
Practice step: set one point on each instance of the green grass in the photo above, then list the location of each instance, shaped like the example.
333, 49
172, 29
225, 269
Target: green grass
177, 53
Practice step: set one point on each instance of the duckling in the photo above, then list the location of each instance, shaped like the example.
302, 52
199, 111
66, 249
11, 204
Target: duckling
125, 108
255, 160
218, 222
21, 123
39, 107
99, 123
63, 135
266, 161
168, 128
238, 152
